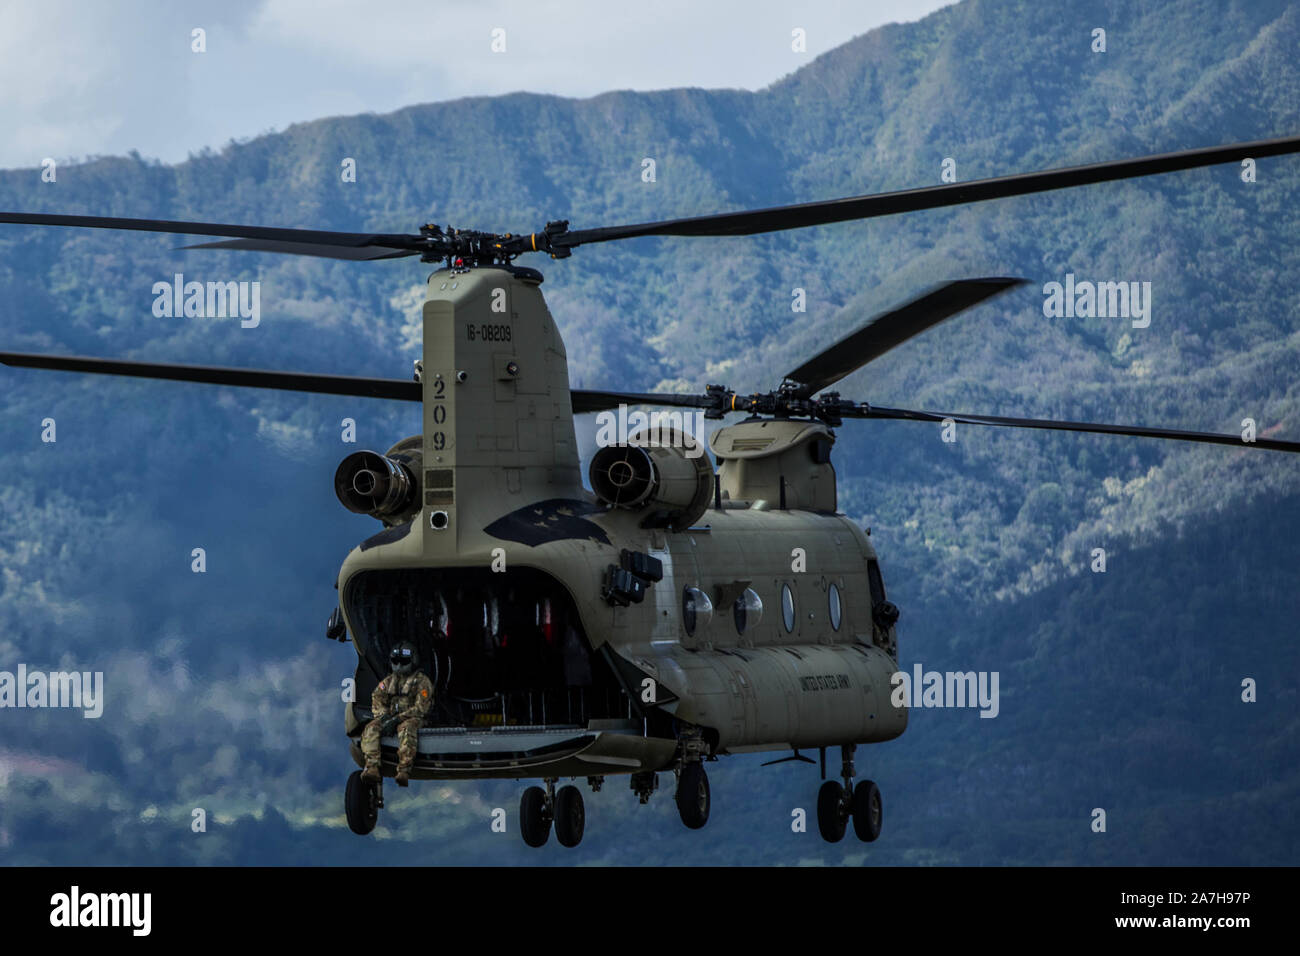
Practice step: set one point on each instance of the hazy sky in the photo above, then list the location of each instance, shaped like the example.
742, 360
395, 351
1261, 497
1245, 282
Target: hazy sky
87, 77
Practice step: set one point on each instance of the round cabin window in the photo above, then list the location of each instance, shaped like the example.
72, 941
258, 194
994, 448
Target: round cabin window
787, 607
748, 611
697, 610
833, 596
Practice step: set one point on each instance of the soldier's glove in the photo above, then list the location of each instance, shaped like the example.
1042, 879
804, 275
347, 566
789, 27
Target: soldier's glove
389, 724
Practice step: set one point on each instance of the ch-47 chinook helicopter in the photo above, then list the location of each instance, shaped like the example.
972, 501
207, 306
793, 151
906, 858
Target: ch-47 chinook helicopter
652, 623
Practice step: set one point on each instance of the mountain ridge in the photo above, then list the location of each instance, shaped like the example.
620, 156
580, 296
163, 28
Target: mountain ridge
985, 543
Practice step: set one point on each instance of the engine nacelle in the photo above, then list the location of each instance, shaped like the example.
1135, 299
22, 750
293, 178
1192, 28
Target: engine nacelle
666, 474
385, 486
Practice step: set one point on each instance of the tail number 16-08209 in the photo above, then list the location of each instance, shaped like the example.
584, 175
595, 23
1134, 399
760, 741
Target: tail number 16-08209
487, 333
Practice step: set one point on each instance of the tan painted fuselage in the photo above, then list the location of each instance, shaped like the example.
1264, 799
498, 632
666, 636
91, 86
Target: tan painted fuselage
503, 515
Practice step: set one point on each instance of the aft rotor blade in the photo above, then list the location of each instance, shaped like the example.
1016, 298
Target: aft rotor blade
778, 218
583, 400
586, 400
1138, 431
391, 244
410, 391
893, 328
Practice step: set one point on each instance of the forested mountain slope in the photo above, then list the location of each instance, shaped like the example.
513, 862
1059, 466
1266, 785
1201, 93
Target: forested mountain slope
1119, 690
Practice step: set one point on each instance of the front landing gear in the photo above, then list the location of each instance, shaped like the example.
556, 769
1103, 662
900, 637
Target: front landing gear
539, 809
832, 815
693, 795
692, 782
868, 814
362, 801
837, 802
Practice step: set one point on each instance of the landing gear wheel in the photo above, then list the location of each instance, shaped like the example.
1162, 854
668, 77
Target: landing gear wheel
570, 816
831, 820
361, 803
533, 822
693, 795
868, 814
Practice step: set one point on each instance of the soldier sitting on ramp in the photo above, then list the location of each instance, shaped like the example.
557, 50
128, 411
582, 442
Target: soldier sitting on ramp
401, 700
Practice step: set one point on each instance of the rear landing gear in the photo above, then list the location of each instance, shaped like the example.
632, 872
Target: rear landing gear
837, 802
362, 801
534, 817
570, 816
539, 809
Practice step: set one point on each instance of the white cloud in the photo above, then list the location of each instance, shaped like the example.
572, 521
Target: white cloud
79, 77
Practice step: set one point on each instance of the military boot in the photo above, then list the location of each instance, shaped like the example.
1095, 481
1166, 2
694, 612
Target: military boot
371, 773
403, 776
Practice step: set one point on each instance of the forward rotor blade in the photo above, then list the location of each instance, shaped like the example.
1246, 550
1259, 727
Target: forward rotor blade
1138, 431
778, 218
319, 250
557, 240
390, 244
214, 375
893, 328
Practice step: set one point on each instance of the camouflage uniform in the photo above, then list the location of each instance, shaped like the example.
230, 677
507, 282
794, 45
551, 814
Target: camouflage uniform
410, 695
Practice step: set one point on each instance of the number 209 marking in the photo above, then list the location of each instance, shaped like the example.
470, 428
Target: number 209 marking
439, 413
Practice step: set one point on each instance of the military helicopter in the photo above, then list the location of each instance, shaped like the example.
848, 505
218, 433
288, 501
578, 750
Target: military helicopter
655, 622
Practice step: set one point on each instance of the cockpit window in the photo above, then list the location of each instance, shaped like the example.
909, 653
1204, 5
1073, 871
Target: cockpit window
876, 582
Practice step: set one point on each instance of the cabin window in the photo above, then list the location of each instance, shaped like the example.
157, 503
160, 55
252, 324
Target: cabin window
833, 597
697, 610
748, 611
787, 608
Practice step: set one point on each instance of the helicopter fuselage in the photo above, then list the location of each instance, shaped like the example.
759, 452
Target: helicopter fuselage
571, 636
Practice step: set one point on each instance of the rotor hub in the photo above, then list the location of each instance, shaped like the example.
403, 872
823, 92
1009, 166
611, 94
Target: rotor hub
464, 249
